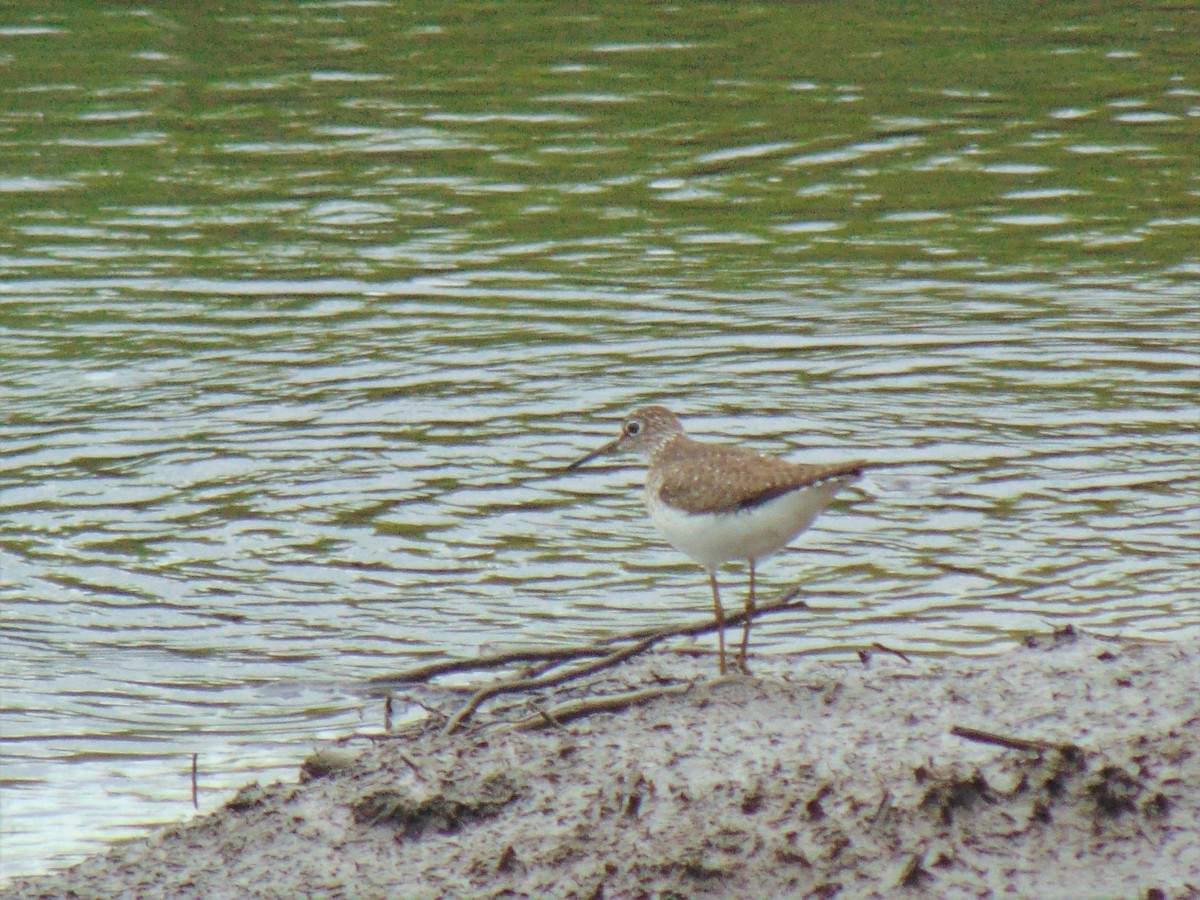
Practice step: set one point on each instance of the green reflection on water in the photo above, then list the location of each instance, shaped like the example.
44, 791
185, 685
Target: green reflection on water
380, 142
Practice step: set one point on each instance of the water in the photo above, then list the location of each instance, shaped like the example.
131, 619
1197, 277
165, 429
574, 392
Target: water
302, 306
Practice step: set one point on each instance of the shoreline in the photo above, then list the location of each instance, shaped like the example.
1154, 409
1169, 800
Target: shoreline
810, 778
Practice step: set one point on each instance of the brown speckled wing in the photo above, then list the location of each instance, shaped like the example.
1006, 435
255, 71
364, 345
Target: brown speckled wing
719, 478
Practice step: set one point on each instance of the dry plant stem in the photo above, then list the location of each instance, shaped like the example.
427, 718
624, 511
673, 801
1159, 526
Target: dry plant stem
533, 684
546, 716
479, 663
557, 655
540, 669
577, 709
412, 732
1013, 743
883, 648
617, 656
786, 601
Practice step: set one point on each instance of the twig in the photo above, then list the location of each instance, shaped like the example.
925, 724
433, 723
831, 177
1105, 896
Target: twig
523, 684
412, 765
707, 626
1013, 743
884, 811
541, 668
195, 786
410, 733
883, 648
577, 709
546, 715
557, 655
432, 710
480, 663
786, 601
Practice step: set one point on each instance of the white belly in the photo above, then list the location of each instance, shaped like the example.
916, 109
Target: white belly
714, 538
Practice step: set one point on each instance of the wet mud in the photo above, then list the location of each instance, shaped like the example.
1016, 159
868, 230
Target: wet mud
1067, 768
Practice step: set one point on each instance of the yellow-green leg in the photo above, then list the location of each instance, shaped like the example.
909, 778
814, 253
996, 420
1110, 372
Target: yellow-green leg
746, 625
720, 614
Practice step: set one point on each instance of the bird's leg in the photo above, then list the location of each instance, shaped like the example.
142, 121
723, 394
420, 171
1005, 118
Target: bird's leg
746, 625
720, 614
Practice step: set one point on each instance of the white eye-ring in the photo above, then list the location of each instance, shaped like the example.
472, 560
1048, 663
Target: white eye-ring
633, 427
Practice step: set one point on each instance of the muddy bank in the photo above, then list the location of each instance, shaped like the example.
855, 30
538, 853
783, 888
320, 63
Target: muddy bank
813, 778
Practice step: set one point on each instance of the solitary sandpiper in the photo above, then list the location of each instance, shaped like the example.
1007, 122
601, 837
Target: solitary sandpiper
721, 502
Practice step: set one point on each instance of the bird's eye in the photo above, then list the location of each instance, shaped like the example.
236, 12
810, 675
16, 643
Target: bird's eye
633, 427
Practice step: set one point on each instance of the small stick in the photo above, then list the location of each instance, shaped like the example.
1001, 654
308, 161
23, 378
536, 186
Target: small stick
195, 789
1012, 743
375, 737
412, 765
577, 709
556, 655
883, 648
616, 656
521, 684
432, 710
884, 810
479, 663
547, 716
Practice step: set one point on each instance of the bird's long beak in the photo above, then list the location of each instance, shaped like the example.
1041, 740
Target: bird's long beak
607, 448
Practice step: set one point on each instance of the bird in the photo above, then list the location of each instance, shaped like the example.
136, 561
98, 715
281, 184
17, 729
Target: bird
718, 502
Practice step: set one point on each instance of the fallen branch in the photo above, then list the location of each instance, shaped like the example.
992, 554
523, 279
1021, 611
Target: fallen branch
704, 626
612, 658
483, 663
559, 655
549, 680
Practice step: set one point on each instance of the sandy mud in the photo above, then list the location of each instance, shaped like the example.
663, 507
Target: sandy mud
814, 778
